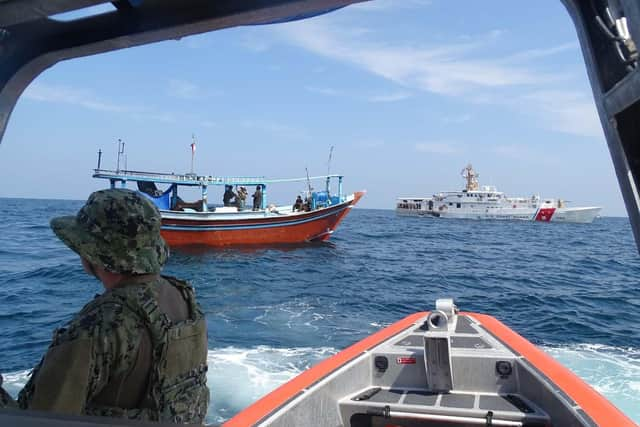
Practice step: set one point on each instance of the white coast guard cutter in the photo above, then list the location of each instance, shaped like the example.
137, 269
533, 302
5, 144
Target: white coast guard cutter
486, 202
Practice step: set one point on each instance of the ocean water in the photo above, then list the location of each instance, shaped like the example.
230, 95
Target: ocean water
272, 312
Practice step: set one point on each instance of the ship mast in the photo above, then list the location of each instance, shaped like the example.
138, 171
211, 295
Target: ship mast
472, 178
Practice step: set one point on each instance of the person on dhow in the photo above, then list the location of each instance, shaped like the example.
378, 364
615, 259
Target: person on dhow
137, 351
257, 198
241, 198
229, 196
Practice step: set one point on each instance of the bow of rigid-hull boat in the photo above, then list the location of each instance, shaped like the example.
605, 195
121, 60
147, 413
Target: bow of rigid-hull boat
435, 369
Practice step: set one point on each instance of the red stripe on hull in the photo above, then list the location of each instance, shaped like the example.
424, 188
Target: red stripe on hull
319, 229
545, 214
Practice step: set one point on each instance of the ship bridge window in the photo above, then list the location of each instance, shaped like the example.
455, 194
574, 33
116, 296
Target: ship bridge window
457, 205
450, 204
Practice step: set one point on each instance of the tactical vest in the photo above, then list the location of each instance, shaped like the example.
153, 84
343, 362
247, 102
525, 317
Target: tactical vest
176, 389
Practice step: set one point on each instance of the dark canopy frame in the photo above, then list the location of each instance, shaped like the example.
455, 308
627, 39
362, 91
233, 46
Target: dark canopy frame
616, 88
31, 42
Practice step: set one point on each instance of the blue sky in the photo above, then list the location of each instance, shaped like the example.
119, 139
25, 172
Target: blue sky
407, 91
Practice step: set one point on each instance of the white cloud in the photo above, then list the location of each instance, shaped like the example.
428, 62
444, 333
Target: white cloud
166, 117
379, 5
458, 69
444, 69
510, 151
438, 147
370, 143
208, 124
323, 90
255, 43
530, 54
73, 96
86, 99
392, 97
279, 129
462, 118
183, 89
199, 41
566, 111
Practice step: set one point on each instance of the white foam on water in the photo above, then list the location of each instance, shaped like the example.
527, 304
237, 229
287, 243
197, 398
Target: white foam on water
612, 371
238, 376
14, 381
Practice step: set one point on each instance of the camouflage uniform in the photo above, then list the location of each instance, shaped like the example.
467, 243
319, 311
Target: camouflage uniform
130, 352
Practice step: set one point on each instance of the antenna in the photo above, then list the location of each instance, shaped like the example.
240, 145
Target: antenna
308, 181
329, 161
193, 150
120, 152
99, 157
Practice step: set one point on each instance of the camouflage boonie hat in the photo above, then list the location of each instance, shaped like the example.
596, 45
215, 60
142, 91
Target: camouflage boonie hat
118, 230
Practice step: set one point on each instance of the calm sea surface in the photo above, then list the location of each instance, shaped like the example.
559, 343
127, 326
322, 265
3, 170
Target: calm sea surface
272, 312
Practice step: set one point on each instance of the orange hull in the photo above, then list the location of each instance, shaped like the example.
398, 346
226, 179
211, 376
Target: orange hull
312, 226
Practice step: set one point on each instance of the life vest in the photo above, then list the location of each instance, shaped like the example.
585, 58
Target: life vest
176, 389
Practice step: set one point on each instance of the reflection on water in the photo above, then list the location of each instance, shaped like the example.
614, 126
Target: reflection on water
199, 250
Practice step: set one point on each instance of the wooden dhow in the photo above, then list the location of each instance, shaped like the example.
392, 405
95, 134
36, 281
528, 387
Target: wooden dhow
201, 224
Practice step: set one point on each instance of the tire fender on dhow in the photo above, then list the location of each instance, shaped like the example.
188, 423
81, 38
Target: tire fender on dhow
603, 412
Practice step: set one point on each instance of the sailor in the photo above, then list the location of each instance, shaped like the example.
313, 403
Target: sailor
228, 196
257, 198
138, 350
298, 205
241, 198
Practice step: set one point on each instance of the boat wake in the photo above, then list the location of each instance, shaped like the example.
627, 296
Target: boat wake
613, 371
239, 376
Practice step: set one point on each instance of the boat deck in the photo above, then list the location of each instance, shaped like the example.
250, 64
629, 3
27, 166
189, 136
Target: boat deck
434, 408
402, 391
441, 369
